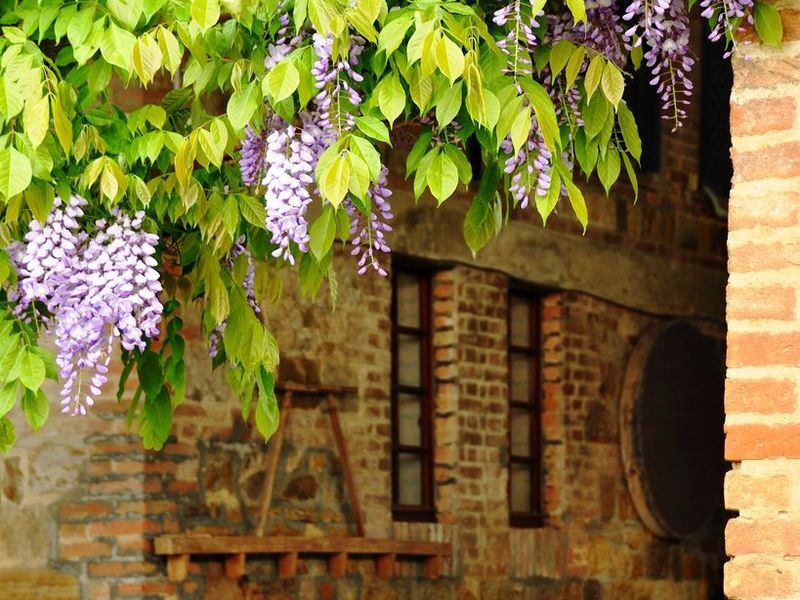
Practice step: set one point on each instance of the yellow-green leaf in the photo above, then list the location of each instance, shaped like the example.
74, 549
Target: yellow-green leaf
36, 119
613, 83
205, 13
336, 180
15, 172
449, 59
146, 58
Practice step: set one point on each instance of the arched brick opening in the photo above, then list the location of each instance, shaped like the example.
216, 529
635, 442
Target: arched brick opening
762, 412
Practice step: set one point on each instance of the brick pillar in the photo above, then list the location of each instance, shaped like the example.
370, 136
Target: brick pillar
762, 411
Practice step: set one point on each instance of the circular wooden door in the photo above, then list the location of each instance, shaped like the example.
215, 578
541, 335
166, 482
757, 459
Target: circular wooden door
672, 428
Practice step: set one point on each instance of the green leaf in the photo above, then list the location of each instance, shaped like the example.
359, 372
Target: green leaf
545, 204
155, 420
559, 55
335, 181
480, 223
267, 414
15, 172
146, 58
283, 80
393, 33
170, 50
62, 124
544, 110
418, 150
242, 105
32, 371
367, 152
36, 408
8, 397
116, 46
449, 59
631, 175
373, 128
768, 24
442, 177
36, 119
594, 73
252, 210
578, 10
80, 25
577, 202
574, 65
391, 97
448, 105
205, 13
595, 115
10, 99
630, 132
323, 232
613, 83
608, 169
150, 377
7, 435
520, 129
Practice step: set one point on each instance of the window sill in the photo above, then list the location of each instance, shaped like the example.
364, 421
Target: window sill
414, 514
526, 521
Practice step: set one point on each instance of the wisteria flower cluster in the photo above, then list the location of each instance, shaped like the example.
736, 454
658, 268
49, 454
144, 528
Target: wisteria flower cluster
88, 290
529, 168
368, 233
662, 27
725, 17
521, 39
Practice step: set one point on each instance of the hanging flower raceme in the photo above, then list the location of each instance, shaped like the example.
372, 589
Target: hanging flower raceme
337, 100
284, 43
663, 28
725, 17
520, 41
368, 233
92, 289
529, 169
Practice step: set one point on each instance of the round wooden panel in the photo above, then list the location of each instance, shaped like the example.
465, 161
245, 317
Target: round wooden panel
672, 428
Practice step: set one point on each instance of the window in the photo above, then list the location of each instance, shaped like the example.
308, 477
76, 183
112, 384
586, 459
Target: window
525, 454
412, 393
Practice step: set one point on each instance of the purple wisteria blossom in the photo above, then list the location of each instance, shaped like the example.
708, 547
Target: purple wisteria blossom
251, 162
725, 17
337, 100
368, 234
284, 43
93, 289
529, 169
663, 28
520, 40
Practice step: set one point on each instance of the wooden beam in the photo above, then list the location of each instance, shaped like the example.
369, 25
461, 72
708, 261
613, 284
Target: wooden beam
316, 390
232, 544
177, 567
272, 464
349, 482
433, 567
234, 565
337, 565
287, 565
384, 566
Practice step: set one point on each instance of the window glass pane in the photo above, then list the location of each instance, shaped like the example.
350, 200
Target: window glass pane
520, 321
520, 488
409, 363
409, 411
408, 300
409, 479
521, 377
520, 432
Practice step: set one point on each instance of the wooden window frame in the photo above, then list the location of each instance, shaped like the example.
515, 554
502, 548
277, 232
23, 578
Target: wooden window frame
426, 511
534, 517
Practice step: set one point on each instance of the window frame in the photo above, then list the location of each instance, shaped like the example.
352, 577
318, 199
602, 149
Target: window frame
534, 517
426, 511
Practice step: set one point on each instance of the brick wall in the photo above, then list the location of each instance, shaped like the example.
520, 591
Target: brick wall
763, 422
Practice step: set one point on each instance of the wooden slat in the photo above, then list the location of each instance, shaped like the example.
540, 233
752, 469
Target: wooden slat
384, 566
199, 544
433, 567
234, 565
344, 457
287, 565
177, 567
337, 565
272, 464
316, 390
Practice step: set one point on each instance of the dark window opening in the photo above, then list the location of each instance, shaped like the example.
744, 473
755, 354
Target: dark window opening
412, 395
525, 425
716, 167
643, 100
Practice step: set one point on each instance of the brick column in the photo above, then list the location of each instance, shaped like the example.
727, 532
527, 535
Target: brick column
763, 414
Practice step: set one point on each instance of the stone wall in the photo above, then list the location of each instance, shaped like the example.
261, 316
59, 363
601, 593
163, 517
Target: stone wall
763, 422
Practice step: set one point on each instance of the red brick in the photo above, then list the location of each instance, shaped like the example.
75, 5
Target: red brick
763, 349
774, 162
121, 569
752, 441
764, 396
133, 544
114, 528
767, 536
771, 492
756, 581
762, 116
763, 257
773, 302
778, 210
145, 588
81, 550
84, 510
